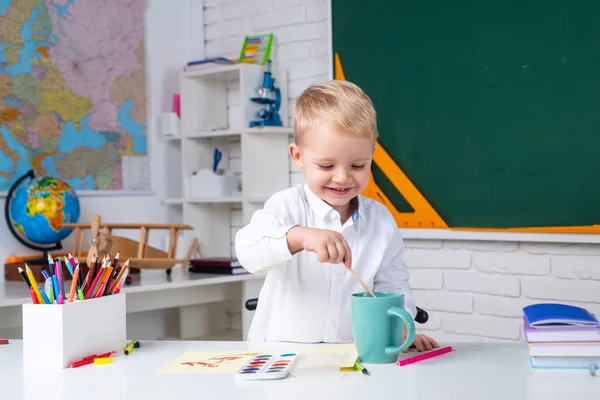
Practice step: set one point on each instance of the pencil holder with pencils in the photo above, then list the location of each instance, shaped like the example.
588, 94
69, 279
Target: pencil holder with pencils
66, 322
56, 335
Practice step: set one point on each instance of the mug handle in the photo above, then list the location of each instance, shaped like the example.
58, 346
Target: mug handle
410, 324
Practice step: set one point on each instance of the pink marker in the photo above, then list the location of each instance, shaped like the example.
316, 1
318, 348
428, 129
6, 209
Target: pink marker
176, 104
424, 356
60, 298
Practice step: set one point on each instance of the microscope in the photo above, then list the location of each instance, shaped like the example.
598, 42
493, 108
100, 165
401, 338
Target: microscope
269, 95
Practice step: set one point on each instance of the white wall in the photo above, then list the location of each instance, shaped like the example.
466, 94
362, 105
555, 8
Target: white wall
473, 290
173, 36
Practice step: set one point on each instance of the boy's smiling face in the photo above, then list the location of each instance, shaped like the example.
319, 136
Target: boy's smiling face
336, 166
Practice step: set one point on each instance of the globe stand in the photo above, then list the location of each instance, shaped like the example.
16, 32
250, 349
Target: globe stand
46, 250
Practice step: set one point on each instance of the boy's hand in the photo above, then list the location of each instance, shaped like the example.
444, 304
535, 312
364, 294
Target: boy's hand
421, 342
424, 342
330, 246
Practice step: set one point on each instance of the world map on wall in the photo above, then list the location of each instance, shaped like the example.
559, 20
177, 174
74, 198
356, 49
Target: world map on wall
72, 90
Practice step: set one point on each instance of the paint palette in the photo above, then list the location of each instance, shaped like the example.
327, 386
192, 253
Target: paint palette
267, 366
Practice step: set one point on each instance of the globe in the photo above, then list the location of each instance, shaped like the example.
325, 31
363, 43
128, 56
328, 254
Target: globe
36, 210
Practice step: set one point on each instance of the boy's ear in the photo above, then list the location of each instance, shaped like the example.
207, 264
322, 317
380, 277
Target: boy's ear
295, 155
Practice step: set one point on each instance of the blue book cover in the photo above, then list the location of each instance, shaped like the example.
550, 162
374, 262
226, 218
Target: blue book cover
552, 314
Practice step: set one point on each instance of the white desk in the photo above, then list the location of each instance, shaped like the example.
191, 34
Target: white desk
199, 302
472, 372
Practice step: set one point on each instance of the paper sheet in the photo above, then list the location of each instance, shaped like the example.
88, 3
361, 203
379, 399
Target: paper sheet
342, 356
338, 356
207, 362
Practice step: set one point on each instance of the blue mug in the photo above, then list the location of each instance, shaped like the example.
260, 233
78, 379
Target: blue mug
377, 325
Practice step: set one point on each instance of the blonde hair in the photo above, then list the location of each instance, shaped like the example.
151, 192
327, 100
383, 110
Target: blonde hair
341, 104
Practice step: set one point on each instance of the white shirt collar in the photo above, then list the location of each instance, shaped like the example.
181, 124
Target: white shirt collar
322, 209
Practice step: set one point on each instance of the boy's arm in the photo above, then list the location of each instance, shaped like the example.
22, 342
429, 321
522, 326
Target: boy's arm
263, 243
393, 275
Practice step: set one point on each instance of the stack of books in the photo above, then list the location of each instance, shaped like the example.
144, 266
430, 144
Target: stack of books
216, 265
561, 336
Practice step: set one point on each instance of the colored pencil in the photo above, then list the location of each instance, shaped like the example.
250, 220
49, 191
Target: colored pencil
89, 277
121, 282
119, 276
99, 281
92, 287
51, 265
74, 284
100, 290
31, 292
34, 284
68, 265
424, 356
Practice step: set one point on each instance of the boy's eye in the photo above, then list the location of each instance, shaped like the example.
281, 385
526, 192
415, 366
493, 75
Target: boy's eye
325, 167
358, 166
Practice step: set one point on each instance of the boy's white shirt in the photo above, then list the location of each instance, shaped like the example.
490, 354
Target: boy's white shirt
303, 300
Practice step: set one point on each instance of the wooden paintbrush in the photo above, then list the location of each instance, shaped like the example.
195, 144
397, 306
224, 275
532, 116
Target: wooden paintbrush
360, 281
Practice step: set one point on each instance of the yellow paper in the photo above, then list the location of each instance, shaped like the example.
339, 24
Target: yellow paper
346, 352
229, 362
207, 362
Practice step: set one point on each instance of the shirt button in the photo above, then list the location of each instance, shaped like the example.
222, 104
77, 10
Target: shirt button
339, 281
333, 322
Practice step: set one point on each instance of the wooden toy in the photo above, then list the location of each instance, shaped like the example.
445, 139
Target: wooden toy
140, 254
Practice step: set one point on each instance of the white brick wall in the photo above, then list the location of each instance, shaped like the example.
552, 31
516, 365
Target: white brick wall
473, 290
477, 290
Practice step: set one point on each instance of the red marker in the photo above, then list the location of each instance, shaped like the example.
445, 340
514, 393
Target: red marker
424, 356
89, 360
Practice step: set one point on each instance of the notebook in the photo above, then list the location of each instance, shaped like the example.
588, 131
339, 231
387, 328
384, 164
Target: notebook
561, 333
564, 362
553, 314
565, 349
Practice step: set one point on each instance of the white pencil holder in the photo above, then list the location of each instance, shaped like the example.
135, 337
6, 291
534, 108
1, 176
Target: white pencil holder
206, 183
56, 335
169, 124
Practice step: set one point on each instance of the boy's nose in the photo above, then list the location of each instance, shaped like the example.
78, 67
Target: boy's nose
341, 176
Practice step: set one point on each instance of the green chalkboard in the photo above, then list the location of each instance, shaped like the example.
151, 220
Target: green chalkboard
491, 107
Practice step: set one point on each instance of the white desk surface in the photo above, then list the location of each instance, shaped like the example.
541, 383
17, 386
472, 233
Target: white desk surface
477, 371
17, 293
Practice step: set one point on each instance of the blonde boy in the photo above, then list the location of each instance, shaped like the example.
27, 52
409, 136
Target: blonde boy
306, 235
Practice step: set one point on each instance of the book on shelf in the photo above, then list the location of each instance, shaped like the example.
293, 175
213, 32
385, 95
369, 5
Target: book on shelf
216, 265
215, 262
218, 270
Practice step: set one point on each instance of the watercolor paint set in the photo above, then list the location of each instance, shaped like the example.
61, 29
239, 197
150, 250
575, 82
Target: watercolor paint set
267, 366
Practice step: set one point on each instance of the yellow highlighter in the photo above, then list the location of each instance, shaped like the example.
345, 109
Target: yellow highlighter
34, 284
129, 348
103, 360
